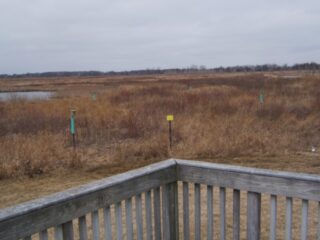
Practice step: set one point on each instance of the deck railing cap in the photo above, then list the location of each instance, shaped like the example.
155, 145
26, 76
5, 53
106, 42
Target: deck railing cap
26, 207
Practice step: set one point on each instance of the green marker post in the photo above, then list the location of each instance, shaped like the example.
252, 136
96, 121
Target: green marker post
72, 128
261, 97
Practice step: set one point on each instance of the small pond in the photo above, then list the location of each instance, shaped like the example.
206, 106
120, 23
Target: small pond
34, 95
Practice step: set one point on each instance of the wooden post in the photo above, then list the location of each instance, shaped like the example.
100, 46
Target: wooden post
73, 128
253, 215
173, 223
236, 214
67, 229
170, 119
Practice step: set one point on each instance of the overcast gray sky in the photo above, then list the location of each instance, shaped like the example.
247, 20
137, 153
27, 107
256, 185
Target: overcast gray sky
56, 35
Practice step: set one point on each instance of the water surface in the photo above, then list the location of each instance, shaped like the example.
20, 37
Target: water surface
34, 95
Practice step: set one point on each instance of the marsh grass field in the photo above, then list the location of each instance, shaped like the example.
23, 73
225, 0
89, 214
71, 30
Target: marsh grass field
121, 124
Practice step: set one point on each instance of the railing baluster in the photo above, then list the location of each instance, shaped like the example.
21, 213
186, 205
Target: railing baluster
289, 218
236, 214
95, 225
273, 217
148, 215
83, 234
129, 223
210, 212
165, 213
304, 220
186, 223
318, 228
139, 220
58, 234
253, 215
157, 213
197, 211
222, 213
119, 220
43, 235
67, 229
107, 223
173, 210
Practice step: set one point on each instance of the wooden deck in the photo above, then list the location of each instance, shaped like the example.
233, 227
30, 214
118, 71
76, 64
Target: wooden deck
150, 196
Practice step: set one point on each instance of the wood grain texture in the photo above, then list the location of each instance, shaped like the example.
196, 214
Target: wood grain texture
29, 218
186, 222
236, 214
157, 213
172, 191
58, 234
303, 186
318, 223
129, 223
288, 233
273, 217
95, 225
107, 223
37, 215
197, 212
119, 221
83, 232
165, 213
43, 235
304, 219
67, 230
223, 220
210, 213
139, 219
253, 215
148, 208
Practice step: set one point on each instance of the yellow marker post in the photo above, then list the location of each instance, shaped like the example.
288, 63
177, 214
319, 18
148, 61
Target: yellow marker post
170, 119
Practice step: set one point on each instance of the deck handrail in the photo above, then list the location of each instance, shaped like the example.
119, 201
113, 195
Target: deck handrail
60, 209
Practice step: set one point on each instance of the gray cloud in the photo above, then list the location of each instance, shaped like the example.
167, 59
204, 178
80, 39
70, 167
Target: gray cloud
54, 35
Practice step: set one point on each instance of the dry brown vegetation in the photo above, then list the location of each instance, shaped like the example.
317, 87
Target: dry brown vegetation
215, 117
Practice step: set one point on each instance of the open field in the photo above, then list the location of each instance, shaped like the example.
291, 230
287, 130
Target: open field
218, 117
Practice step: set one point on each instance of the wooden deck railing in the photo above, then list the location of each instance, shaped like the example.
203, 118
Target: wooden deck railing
159, 203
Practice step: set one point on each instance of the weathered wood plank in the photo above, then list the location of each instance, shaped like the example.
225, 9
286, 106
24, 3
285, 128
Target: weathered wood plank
157, 213
289, 203
236, 214
43, 235
253, 215
83, 232
119, 220
304, 186
223, 226
318, 228
148, 215
95, 225
16, 222
172, 191
304, 220
58, 234
197, 212
129, 222
186, 223
209, 212
273, 217
165, 213
107, 223
67, 230
139, 219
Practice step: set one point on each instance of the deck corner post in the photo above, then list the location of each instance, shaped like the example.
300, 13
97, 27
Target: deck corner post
253, 215
173, 224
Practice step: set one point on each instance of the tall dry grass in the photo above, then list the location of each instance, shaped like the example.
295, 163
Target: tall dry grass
218, 117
